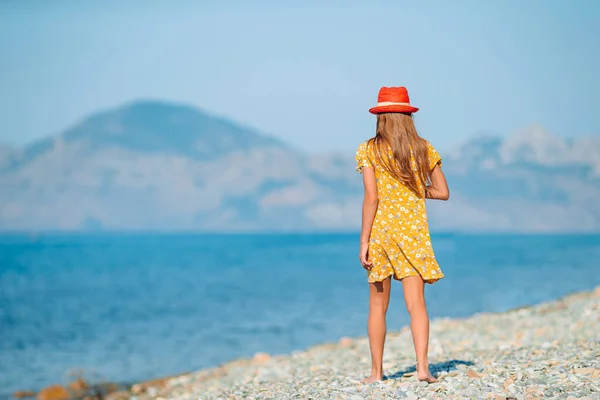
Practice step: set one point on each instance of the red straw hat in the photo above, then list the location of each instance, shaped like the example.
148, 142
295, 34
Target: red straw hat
393, 99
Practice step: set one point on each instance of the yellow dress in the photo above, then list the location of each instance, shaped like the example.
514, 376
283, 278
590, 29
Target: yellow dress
400, 244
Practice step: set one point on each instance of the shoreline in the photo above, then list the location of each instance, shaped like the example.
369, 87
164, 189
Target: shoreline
486, 355
259, 377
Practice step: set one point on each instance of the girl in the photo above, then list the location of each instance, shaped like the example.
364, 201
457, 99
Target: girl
400, 170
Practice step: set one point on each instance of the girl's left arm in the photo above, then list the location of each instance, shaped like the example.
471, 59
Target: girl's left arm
438, 189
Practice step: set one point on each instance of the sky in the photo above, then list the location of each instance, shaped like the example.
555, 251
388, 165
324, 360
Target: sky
308, 72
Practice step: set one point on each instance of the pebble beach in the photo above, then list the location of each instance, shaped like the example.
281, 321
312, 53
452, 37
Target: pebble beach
550, 350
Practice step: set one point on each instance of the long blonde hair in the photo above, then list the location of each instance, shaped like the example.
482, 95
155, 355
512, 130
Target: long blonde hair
397, 131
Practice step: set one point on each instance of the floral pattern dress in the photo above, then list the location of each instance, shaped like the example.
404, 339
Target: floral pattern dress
400, 243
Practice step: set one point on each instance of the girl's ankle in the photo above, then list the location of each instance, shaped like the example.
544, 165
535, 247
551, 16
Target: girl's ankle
422, 364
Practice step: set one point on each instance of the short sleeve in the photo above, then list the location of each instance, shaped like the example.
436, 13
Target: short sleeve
434, 157
362, 159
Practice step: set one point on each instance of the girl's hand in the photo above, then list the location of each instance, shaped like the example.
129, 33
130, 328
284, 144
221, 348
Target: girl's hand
364, 256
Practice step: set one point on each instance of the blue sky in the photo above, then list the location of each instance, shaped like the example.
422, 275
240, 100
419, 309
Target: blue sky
306, 73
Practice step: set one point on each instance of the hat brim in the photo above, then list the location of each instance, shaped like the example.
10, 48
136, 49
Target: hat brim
393, 109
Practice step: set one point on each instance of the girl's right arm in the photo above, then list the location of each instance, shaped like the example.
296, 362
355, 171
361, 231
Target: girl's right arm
369, 209
438, 190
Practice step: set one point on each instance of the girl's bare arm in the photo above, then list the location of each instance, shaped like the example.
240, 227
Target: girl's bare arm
370, 203
438, 190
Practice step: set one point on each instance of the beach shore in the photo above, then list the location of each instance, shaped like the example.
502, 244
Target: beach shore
551, 350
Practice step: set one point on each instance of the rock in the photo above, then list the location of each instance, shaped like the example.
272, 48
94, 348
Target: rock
584, 371
56, 392
519, 376
107, 387
137, 389
21, 394
537, 381
79, 386
261, 358
142, 387
346, 342
552, 363
472, 374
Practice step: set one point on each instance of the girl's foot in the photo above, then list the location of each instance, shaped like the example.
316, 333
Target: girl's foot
427, 378
372, 378
423, 373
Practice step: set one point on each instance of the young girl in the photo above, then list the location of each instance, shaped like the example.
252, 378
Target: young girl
400, 170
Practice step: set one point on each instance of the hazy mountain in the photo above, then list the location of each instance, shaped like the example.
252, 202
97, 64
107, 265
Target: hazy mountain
530, 181
7, 154
153, 165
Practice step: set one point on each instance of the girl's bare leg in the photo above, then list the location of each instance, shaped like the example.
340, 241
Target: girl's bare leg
414, 297
379, 294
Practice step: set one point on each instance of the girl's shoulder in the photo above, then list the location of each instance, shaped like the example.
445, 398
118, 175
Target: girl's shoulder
365, 147
364, 155
427, 143
429, 146
366, 143
433, 155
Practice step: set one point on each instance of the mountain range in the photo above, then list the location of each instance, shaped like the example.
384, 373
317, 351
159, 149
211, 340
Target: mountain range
153, 165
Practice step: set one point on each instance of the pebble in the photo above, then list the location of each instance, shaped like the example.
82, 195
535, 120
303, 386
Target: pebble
546, 351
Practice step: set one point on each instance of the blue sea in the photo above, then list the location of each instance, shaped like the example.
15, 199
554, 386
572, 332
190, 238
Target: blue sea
133, 307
